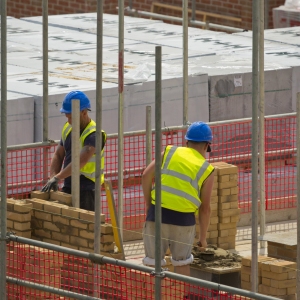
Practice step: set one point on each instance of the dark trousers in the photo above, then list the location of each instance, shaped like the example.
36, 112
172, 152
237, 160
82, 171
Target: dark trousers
87, 198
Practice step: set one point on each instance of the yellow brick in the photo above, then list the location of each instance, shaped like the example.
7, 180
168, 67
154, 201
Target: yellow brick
228, 198
61, 197
107, 238
224, 205
86, 234
280, 266
213, 234
60, 237
223, 233
226, 185
22, 226
214, 199
234, 190
19, 217
61, 220
226, 239
225, 220
37, 203
51, 241
107, 247
43, 216
25, 234
22, 207
246, 285
222, 226
106, 228
50, 226
10, 224
78, 224
214, 193
281, 284
39, 195
229, 169
214, 220
77, 241
245, 277
266, 281
233, 177
52, 208
214, 206
71, 212
42, 233
224, 192
228, 212
222, 178
271, 275
235, 219
291, 290
234, 205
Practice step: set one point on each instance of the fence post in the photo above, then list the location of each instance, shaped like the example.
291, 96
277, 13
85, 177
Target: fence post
148, 136
185, 25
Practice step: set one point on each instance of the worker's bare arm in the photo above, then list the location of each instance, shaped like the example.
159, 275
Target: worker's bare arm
57, 160
204, 210
86, 153
147, 178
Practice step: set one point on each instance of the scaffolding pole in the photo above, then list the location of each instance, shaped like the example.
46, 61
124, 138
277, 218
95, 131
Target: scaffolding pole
255, 98
148, 136
3, 150
298, 194
185, 25
158, 276
120, 117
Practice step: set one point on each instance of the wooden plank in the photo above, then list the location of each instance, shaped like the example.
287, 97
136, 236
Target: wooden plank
199, 12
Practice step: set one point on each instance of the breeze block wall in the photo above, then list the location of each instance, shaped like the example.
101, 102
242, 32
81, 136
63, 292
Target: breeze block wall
234, 8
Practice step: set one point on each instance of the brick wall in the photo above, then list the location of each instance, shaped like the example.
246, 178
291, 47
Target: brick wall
235, 8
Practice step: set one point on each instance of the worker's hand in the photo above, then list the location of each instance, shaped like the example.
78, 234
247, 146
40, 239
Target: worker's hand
202, 245
52, 184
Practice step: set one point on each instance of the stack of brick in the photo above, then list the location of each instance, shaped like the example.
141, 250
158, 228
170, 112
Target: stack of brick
246, 271
19, 217
282, 251
279, 279
276, 277
60, 224
228, 211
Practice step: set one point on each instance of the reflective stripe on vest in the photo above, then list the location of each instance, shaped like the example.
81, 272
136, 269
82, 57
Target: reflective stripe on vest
180, 191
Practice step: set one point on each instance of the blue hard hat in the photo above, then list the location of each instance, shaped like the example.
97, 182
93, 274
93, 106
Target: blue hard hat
199, 132
85, 103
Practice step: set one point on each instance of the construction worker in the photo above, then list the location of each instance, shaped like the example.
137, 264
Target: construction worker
186, 187
63, 156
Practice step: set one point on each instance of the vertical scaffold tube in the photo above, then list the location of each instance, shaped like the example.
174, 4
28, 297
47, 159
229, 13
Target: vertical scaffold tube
158, 171
3, 150
148, 136
185, 26
121, 117
255, 96
298, 194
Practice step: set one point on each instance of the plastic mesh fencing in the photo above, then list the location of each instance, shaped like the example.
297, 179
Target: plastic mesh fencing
79, 275
28, 168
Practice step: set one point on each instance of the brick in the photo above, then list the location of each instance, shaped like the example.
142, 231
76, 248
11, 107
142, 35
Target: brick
229, 169
233, 177
272, 275
266, 281
107, 238
69, 246
52, 208
10, 224
77, 241
213, 234
224, 220
22, 206
50, 226
71, 212
43, 216
214, 199
228, 198
234, 190
245, 270
60, 237
213, 220
280, 266
245, 277
224, 205
51, 241
246, 285
42, 233
222, 226
228, 212
281, 284
18, 217
61, 197
226, 185
61, 220
287, 254
224, 192
39, 195
22, 226
37, 203
214, 206
78, 224
223, 178
107, 247
235, 219
106, 228
86, 234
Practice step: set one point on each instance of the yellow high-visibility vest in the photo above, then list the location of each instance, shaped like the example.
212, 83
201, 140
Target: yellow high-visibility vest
89, 170
182, 174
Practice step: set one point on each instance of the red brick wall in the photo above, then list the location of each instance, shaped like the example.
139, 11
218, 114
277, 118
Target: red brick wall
235, 8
